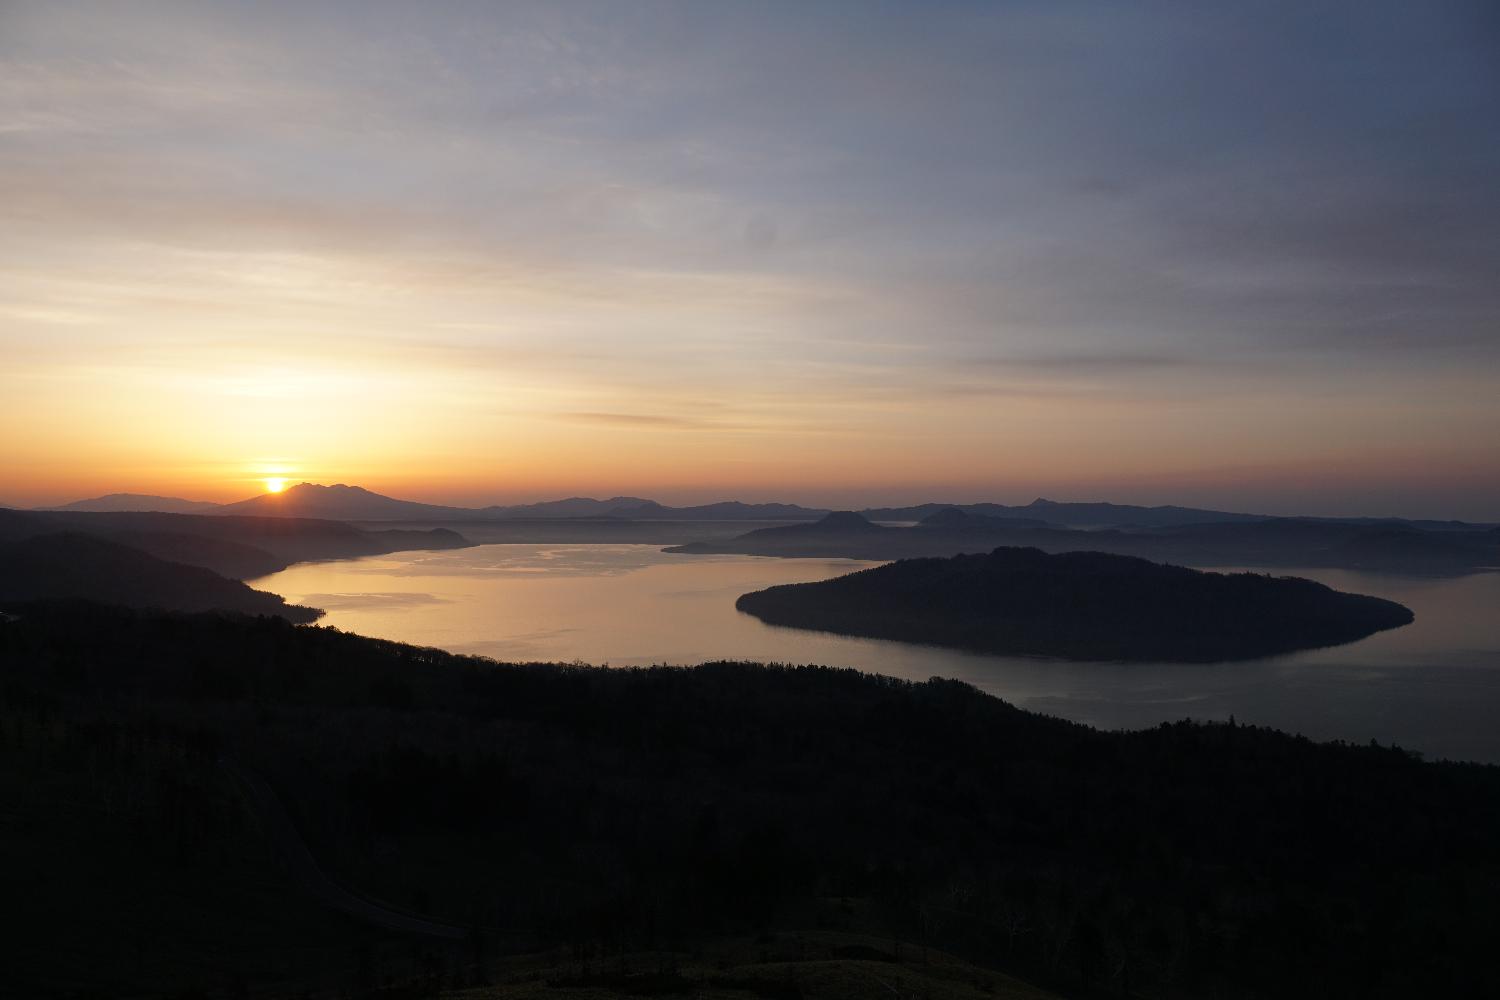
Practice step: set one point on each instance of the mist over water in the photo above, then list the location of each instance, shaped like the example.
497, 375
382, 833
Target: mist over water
1433, 686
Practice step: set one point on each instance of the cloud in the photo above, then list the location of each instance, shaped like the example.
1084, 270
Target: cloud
642, 420
853, 219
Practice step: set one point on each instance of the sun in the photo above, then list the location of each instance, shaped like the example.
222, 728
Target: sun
275, 485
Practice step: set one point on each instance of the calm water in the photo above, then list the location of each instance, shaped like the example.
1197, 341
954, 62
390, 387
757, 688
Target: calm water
1432, 686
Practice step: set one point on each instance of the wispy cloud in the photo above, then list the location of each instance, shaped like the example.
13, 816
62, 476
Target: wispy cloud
646, 420
898, 222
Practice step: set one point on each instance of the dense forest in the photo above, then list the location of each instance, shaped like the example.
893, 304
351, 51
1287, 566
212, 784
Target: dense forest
604, 812
1078, 605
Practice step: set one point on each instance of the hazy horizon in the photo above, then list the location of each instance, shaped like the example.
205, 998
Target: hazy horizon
853, 500
1239, 258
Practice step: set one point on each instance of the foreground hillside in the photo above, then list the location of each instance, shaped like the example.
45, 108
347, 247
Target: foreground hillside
621, 813
69, 565
1078, 605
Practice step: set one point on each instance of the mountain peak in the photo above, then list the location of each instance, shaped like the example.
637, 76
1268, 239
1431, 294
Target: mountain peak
335, 488
846, 520
138, 502
340, 502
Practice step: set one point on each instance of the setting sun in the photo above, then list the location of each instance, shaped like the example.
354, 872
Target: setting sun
275, 485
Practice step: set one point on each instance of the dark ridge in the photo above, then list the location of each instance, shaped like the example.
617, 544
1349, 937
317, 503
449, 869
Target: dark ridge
953, 519
844, 520
236, 546
1398, 547
232, 559
1080, 605
139, 502
81, 567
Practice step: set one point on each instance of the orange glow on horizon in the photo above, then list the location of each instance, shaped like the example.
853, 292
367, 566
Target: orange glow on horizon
275, 485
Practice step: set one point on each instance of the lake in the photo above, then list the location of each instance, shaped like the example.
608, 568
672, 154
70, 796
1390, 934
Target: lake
1432, 686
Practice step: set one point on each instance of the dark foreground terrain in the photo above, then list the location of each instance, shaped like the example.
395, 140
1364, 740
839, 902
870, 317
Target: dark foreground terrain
175, 786
1078, 605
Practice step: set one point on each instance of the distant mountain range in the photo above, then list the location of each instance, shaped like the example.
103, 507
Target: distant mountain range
1073, 515
1393, 546
353, 503
115, 502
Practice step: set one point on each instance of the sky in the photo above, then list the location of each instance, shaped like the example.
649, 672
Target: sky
1238, 255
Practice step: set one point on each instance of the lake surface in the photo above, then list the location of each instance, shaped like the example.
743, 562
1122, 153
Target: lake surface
1432, 686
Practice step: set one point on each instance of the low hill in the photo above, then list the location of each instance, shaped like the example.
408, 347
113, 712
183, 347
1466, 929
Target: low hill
237, 547
831, 535
236, 560
572, 507
724, 510
139, 501
1071, 514
953, 519
1081, 605
849, 535
1386, 546
82, 567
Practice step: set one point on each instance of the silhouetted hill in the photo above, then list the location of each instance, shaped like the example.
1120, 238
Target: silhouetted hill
1394, 546
571, 507
611, 812
835, 532
236, 560
1093, 516
1081, 605
139, 501
844, 522
339, 503
234, 546
638, 508
848, 535
954, 519
1114, 515
734, 510
82, 567
1284, 542
1072, 515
